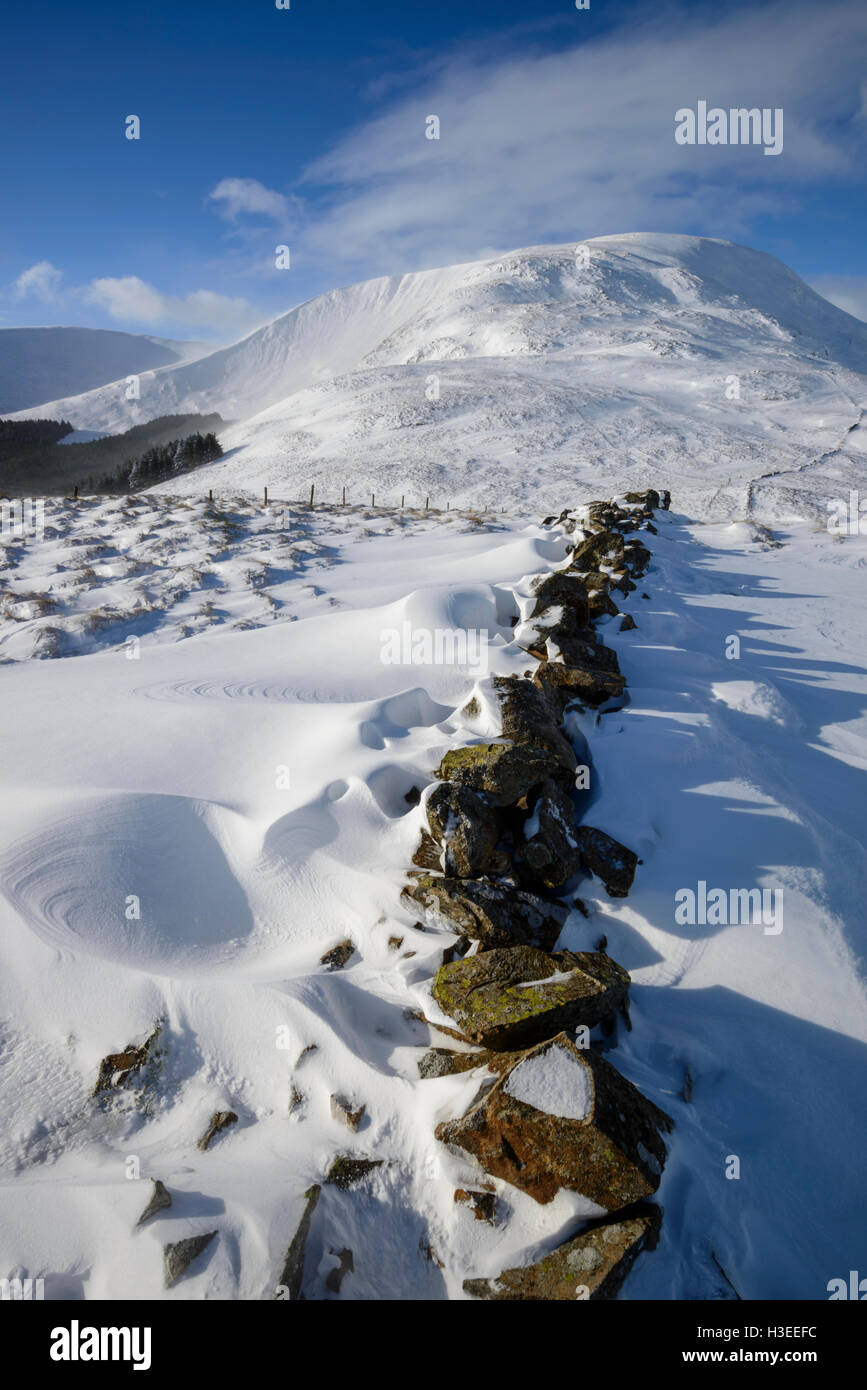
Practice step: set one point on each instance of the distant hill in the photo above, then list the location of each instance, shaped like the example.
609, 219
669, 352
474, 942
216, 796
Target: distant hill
42, 364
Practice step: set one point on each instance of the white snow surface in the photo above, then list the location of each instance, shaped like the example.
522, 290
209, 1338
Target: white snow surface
553, 1081
247, 786
507, 381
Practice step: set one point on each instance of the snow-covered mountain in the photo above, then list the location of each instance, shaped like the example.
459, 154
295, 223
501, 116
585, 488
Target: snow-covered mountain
621, 359
39, 363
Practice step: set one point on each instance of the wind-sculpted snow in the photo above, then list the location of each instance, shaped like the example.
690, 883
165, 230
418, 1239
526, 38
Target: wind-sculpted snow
506, 382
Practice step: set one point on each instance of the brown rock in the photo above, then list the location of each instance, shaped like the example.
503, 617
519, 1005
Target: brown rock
482, 1204
607, 1146
336, 958
220, 1120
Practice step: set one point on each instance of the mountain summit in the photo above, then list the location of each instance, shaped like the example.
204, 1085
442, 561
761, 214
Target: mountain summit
497, 381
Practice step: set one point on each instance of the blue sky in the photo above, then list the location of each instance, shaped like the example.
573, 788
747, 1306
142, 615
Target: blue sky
306, 127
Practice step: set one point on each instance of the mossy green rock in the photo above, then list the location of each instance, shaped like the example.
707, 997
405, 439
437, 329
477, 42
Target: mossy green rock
504, 771
606, 1142
592, 1266
518, 996
492, 913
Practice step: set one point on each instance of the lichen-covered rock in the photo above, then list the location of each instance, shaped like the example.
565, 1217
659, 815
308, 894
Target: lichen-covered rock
178, 1257
293, 1266
562, 1118
467, 829
605, 857
592, 1266
503, 771
603, 548
547, 843
566, 684
493, 913
518, 996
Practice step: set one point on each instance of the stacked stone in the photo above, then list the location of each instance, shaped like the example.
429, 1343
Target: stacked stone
501, 840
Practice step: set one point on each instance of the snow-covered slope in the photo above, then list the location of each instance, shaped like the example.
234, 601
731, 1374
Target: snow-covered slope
502, 380
162, 781
40, 364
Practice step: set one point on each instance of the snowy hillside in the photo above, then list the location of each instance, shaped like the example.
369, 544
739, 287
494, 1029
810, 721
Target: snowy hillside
498, 382
37, 364
247, 789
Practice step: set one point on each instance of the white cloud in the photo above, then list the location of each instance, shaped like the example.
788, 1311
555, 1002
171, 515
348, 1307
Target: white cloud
549, 147
249, 197
848, 292
40, 281
131, 300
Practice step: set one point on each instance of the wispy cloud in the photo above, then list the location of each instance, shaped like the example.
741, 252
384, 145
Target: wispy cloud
238, 198
551, 146
131, 300
40, 281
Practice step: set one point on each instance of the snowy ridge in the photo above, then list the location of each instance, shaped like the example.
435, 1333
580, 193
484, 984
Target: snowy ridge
504, 381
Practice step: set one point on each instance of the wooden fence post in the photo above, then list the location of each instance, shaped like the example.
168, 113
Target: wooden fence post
312, 490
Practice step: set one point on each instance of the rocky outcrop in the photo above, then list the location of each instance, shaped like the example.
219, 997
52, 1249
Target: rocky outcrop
495, 914
519, 996
593, 1265
502, 842
562, 1118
